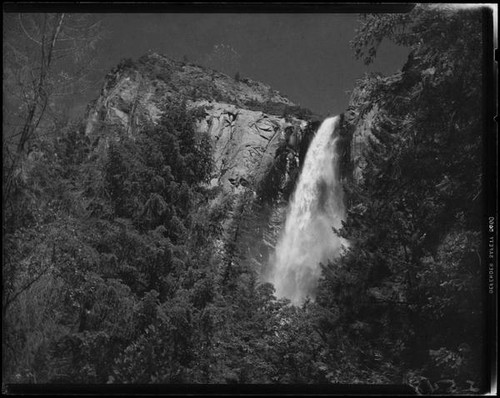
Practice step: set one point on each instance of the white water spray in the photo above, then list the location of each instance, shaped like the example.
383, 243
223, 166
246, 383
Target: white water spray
316, 207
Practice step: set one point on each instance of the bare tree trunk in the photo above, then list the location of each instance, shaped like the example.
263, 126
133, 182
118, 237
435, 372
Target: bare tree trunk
38, 103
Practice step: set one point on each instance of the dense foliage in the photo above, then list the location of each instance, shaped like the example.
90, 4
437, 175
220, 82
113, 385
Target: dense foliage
408, 290
97, 237
116, 269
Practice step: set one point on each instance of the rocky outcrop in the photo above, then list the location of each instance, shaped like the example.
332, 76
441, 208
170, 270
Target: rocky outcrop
247, 142
360, 136
244, 139
356, 126
134, 90
365, 112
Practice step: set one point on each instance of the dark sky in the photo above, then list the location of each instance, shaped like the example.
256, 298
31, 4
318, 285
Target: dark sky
305, 56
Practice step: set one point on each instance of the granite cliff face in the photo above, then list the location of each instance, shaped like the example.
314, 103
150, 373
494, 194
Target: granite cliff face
245, 119
254, 130
356, 131
363, 114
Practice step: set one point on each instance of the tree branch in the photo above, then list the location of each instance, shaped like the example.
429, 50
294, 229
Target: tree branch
26, 32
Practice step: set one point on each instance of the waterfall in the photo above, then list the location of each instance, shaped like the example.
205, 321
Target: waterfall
316, 206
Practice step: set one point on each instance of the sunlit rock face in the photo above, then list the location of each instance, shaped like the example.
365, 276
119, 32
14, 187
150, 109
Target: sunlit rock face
243, 118
244, 139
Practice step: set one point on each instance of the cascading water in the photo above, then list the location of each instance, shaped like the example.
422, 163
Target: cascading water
316, 207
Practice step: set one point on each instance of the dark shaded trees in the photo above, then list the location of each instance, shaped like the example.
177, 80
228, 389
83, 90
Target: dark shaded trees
99, 235
43, 58
409, 287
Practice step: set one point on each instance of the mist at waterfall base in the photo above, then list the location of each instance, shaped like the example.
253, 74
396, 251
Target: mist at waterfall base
316, 208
